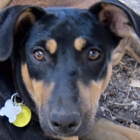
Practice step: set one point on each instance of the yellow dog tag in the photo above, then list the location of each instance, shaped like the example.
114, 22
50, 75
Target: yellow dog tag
24, 117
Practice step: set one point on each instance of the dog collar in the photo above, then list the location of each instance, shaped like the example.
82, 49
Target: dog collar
17, 113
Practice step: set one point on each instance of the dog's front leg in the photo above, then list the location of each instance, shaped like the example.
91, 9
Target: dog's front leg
131, 45
107, 130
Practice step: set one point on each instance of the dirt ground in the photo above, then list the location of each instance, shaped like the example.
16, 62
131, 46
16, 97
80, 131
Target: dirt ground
120, 101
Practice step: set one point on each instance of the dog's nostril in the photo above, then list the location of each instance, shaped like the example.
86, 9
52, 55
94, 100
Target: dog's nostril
72, 125
55, 124
68, 127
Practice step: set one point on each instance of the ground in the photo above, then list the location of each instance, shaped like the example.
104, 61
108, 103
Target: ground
121, 99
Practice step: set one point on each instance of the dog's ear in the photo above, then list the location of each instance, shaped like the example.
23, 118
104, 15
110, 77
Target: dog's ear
15, 22
117, 17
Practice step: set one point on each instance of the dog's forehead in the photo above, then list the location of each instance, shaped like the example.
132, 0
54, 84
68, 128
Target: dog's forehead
69, 17
70, 20
62, 23
59, 11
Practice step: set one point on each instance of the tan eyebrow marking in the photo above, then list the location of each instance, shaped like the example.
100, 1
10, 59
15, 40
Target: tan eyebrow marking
51, 46
79, 43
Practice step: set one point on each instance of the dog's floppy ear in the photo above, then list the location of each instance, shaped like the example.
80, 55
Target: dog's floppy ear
116, 16
14, 20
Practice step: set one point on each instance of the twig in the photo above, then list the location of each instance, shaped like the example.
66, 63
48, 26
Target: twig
104, 96
136, 64
122, 104
120, 90
135, 92
128, 94
109, 112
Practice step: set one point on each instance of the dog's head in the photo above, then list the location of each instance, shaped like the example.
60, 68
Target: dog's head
62, 60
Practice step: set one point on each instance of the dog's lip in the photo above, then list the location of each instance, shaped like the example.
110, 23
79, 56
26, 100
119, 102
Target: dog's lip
58, 133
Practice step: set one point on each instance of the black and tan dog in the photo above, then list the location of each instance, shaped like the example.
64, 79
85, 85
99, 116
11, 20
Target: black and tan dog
60, 60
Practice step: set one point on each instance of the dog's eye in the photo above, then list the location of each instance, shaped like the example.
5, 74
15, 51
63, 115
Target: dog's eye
93, 54
39, 55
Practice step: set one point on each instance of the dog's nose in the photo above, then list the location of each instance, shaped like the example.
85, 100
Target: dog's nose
65, 123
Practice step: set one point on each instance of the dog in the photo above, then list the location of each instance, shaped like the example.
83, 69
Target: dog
59, 60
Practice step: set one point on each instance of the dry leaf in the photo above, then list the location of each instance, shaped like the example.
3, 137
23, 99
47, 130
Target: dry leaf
135, 83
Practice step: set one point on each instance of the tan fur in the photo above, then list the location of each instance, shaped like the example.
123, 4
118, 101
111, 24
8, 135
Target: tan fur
93, 91
131, 51
34, 88
26, 78
119, 51
37, 89
71, 138
66, 138
90, 95
25, 15
131, 45
106, 130
107, 78
118, 20
4, 3
51, 46
79, 43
